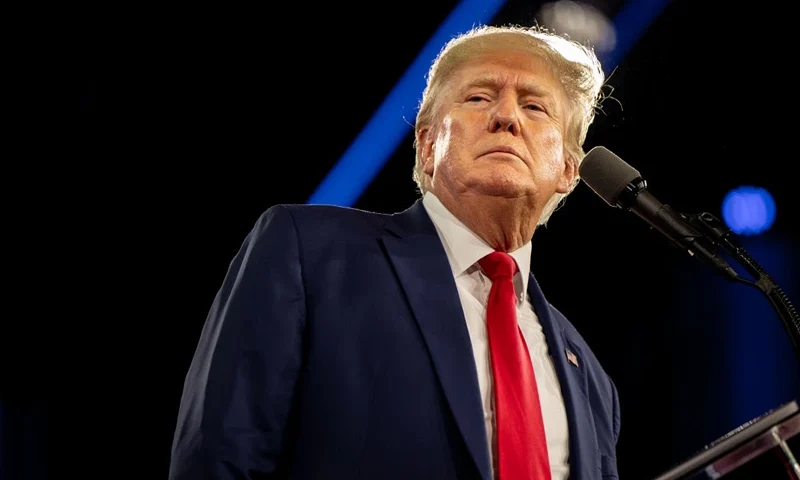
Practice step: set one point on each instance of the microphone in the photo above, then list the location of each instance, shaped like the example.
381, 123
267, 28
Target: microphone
622, 186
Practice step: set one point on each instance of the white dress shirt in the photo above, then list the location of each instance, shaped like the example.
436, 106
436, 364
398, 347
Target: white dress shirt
464, 248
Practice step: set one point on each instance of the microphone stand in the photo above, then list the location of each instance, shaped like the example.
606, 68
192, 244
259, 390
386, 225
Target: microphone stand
719, 235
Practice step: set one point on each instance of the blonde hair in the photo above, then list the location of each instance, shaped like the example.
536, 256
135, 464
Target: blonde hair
577, 67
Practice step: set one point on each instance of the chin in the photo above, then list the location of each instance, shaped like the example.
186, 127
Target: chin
501, 184
501, 189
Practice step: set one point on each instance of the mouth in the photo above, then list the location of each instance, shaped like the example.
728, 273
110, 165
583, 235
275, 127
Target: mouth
503, 149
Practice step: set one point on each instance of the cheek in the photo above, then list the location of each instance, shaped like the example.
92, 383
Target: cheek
441, 147
548, 147
448, 144
549, 140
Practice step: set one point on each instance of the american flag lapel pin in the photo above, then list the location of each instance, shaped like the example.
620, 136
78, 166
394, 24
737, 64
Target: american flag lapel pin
571, 358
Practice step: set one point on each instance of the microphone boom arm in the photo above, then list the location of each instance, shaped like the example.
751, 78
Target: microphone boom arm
719, 235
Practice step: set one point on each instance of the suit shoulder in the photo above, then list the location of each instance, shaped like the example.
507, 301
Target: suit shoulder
569, 328
322, 217
576, 337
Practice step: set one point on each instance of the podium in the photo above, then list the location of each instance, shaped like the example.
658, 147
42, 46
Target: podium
765, 448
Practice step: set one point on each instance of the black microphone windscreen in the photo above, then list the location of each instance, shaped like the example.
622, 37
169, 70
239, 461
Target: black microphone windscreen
606, 174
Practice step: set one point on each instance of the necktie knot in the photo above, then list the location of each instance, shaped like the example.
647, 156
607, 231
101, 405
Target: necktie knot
498, 265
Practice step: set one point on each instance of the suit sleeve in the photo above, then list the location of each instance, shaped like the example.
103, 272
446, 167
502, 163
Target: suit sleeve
235, 410
617, 424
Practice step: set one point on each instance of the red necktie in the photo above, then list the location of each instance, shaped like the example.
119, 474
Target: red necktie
521, 443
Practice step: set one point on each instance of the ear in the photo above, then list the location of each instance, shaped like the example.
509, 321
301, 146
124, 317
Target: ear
568, 176
425, 141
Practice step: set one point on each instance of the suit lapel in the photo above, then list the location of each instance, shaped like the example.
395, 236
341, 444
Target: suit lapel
422, 268
583, 448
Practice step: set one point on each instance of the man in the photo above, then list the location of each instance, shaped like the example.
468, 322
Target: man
349, 344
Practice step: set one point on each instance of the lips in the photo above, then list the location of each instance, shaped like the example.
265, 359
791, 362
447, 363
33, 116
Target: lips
503, 149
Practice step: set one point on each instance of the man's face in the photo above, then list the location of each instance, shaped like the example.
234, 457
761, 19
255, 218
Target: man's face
499, 131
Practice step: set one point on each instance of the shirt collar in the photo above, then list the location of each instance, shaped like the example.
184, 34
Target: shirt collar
464, 248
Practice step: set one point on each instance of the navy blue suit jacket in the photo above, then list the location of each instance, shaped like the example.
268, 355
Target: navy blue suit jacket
337, 348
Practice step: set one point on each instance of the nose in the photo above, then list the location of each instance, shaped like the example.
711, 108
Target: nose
505, 117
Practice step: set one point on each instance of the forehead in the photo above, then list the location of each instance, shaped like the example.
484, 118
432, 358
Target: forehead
522, 70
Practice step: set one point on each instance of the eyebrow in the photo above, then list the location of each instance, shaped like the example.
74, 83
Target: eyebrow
493, 82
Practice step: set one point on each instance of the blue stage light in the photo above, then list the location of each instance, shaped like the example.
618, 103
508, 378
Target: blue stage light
748, 210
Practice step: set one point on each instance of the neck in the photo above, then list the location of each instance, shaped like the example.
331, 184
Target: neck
506, 224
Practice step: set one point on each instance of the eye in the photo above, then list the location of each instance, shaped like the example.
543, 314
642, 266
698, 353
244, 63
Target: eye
477, 98
535, 107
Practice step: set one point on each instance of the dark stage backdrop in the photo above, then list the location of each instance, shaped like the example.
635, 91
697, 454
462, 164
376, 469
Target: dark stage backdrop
191, 122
